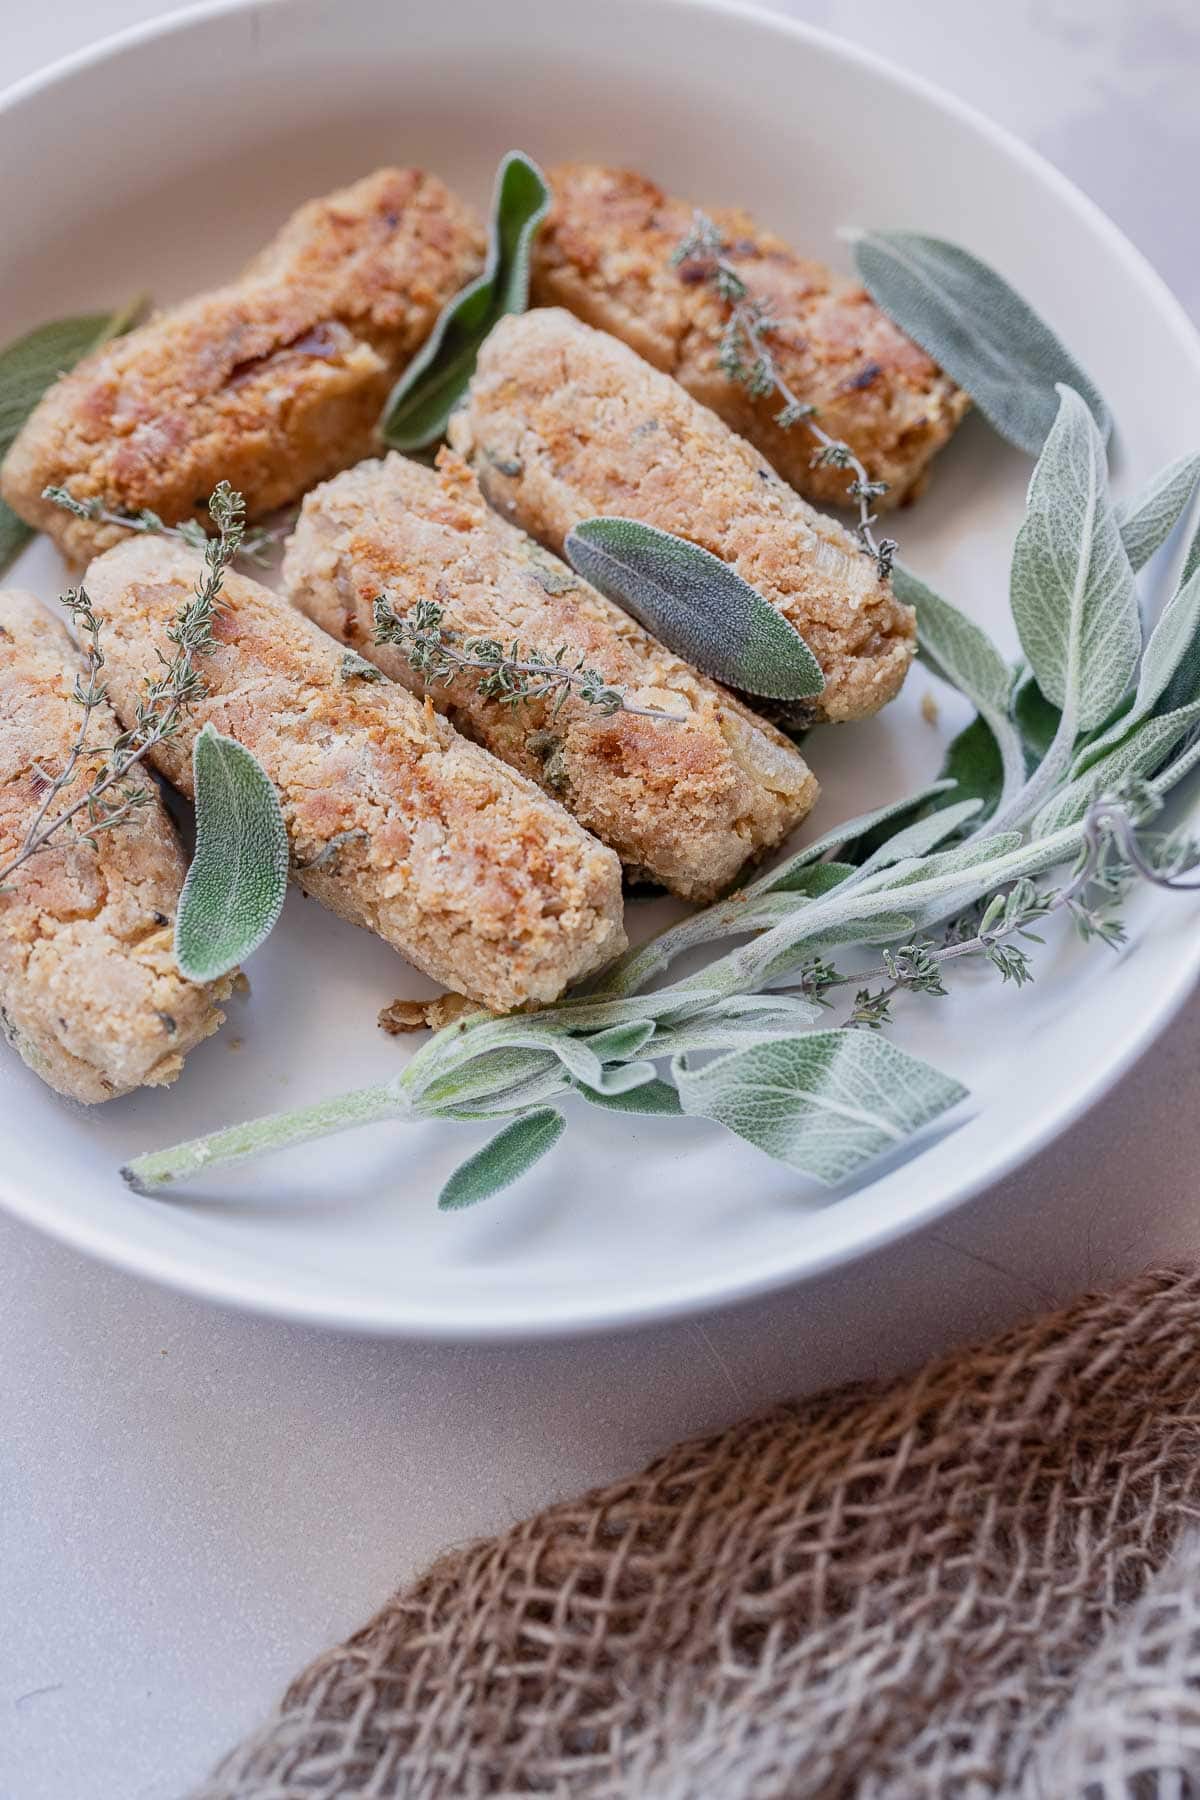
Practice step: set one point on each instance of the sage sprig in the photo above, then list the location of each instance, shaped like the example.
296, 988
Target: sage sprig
978, 328
29, 366
237, 882
420, 404
697, 606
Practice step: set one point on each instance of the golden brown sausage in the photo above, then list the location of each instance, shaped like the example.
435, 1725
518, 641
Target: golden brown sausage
396, 822
89, 992
271, 383
605, 252
684, 803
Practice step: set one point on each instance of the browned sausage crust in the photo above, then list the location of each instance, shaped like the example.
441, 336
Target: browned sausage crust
89, 992
271, 383
564, 422
684, 803
605, 252
457, 862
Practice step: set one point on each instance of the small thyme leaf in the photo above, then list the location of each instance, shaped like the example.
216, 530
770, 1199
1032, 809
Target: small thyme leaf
28, 367
511, 1154
353, 666
237, 883
421, 402
978, 328
697, 606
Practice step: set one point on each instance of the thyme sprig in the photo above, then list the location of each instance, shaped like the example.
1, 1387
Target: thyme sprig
257, 545
745, 356
111, 798
1116, 851
512, 675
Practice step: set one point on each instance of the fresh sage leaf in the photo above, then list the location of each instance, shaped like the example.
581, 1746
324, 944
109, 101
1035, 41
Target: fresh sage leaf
30, 365
974, 765
625, 1078
790, 875
1072, 589
922, 836
1147, 521
236, 885
736, 1023
420, 404
1192, 560
827, 1104
979, 329
653, 1097
621, 1041
511, 1154
1142, 753
1037, 720
897, 817
1172, 649
960, 653
697, 606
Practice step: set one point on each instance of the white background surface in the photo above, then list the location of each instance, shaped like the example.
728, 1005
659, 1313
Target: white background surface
191, 1504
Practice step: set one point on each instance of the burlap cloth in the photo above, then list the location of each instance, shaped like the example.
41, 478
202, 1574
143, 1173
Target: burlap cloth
984, 1579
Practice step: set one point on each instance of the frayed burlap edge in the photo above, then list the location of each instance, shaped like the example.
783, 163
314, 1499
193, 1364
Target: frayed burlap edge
981, 1580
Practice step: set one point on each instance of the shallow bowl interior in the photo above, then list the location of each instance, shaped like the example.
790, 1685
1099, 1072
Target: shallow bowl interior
160, 164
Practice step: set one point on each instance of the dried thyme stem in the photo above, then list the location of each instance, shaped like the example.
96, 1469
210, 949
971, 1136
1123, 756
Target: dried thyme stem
749, 326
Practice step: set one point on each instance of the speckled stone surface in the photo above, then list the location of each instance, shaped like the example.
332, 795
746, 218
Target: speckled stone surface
191, 1504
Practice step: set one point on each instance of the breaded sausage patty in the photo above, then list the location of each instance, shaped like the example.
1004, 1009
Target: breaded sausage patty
564, 423
89, 992
271, 383
396, 822
684, 803
605, 252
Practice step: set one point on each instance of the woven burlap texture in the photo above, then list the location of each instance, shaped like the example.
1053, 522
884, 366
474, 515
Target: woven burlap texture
983, 1579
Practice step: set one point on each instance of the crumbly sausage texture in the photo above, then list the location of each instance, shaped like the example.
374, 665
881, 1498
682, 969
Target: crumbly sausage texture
605, 252
271, 383
459, 863
564, 422
89, 992
683, 803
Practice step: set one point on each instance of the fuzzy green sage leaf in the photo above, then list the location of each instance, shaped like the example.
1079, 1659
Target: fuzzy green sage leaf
29, 366
697, 606
985, 336
420, 404
1072, 592
1148, 519
236, 885
826, 1104
509, 1155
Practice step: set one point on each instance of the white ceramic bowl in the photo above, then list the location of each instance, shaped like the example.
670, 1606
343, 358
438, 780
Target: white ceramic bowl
163, 159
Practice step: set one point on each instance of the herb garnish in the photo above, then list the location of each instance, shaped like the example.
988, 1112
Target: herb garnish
697, 605
111, 797
745, 356
237, 883
976, 327
511, 676
420, 404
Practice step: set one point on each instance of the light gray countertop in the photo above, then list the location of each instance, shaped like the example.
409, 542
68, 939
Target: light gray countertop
192, 1503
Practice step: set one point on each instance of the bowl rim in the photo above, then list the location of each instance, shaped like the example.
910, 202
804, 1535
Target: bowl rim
256, 1295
